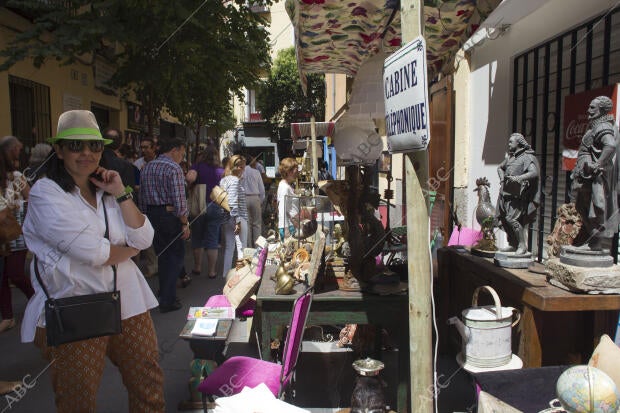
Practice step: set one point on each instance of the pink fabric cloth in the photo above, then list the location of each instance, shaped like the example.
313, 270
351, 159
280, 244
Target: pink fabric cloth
239, 372
295, 334
262, 258
220, 300
466, 236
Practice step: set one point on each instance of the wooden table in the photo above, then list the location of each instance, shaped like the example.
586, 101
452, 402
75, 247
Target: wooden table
339, 307
556, 327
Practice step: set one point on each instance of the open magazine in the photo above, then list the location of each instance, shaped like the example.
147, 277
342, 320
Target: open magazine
205, 327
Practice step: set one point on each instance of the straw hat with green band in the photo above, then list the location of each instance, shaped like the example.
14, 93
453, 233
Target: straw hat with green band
78, 125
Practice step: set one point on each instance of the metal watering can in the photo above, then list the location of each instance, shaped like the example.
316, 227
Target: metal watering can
486, 331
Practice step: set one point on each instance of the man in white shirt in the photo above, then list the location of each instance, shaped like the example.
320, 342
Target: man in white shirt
255, 195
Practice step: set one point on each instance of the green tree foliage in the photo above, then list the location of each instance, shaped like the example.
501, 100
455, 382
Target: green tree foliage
281, 99
182, 55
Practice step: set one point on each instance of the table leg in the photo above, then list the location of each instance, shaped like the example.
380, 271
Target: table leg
403, 380
404, 386
199, 369
265, 337
530, 349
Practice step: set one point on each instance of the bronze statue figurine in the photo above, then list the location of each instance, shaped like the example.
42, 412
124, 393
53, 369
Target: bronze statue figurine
518, 194
595, 176
486, 217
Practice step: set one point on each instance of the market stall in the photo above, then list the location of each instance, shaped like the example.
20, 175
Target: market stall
337, 37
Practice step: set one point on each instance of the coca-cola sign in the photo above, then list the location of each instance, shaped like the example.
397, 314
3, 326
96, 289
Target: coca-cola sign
575, 130
575, 122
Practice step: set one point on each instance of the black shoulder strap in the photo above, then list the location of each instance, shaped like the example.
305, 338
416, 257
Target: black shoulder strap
36, 273
106, 235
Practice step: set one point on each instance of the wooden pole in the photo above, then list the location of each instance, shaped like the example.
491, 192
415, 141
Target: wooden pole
314, 163
418, 245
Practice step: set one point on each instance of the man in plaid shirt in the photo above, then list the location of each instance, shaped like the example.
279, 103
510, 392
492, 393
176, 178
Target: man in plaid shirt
162, 196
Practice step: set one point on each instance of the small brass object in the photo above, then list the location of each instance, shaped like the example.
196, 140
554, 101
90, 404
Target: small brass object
284, 284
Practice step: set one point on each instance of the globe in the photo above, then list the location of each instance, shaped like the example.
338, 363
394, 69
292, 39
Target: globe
586, 389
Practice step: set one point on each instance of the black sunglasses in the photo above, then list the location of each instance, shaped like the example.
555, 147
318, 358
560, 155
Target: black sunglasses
78, 145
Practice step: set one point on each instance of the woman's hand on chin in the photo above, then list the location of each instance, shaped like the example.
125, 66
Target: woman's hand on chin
108, 180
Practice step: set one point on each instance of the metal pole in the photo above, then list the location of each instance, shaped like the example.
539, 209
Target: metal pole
418, 254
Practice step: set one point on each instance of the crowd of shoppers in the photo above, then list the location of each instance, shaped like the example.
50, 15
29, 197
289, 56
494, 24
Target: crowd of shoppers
93, 206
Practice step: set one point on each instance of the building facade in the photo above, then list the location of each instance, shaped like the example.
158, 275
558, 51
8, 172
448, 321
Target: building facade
514, 75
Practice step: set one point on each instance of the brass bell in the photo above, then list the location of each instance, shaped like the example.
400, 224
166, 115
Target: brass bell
279, 272
284, 284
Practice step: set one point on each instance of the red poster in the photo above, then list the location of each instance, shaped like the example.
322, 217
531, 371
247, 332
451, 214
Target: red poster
576, 120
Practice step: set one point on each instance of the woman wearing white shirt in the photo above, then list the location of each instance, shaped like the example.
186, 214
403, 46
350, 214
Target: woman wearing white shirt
64, 228
288, 170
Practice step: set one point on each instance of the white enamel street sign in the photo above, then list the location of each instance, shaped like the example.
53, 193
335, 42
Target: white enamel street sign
406, 98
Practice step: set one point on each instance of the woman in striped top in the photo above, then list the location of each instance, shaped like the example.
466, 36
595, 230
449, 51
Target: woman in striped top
235, 226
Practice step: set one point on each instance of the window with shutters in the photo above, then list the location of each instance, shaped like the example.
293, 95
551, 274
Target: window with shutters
30, 111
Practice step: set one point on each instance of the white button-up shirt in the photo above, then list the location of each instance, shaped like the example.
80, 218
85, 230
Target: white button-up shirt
288, 206
66, 234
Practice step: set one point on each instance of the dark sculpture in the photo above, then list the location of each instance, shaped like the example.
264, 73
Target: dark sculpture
368, 395
596, 174
518, 194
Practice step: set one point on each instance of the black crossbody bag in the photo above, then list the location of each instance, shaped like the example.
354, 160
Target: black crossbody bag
81, 317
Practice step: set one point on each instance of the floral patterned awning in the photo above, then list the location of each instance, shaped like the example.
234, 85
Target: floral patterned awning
337, 36
299, 130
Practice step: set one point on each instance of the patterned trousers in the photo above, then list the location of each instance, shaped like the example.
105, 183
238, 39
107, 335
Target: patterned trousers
78, 367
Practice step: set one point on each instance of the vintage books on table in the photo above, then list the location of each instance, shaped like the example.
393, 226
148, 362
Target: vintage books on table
195, 328
210, 312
